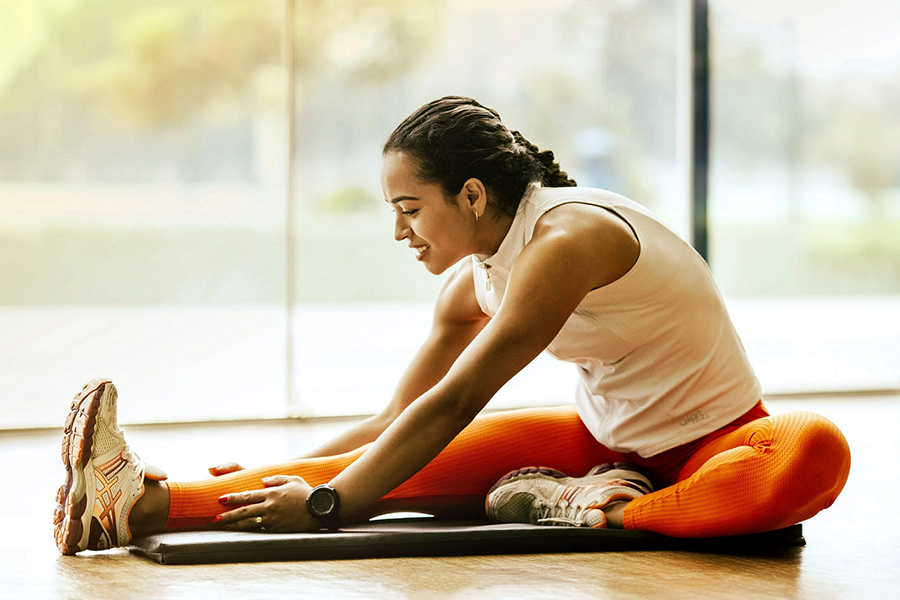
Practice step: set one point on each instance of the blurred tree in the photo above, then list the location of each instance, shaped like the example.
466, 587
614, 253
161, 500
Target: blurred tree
624, 54
349, 199
639, 65
169, 58
750, 99
857, 130
767, 111
95, 71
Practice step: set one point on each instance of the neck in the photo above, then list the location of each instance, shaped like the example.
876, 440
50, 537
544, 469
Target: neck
490, 233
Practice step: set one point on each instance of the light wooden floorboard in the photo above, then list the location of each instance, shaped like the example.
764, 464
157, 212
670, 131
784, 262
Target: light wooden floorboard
853, 548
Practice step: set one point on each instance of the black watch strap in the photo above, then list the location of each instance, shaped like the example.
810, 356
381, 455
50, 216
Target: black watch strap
324, 504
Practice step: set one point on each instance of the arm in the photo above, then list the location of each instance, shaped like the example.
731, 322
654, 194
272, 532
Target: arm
457, 320
576, 250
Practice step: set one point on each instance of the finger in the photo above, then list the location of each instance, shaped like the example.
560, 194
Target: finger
252, 524
250, 497
225, 468
246, 518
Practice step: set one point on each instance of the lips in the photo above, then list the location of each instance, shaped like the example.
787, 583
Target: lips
420, 250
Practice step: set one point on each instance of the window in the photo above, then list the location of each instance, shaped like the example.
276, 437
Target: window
141, 227
145, 196
805, 188
593, 81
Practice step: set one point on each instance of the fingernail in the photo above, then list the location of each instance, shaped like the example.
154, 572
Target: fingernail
217, 518
223, 499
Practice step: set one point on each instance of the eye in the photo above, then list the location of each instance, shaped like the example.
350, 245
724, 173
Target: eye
407, 213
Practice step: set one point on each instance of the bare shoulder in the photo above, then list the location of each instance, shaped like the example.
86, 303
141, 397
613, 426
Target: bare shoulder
457, 302
592, 234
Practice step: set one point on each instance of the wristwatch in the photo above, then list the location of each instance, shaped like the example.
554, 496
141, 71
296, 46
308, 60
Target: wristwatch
323, 503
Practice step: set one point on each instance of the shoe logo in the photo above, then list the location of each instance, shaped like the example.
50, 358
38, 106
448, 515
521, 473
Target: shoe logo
106, 497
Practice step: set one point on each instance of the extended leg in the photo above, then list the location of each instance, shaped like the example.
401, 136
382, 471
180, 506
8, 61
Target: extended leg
771, 473
455, 482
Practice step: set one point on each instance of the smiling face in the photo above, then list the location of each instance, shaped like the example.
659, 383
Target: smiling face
441, 232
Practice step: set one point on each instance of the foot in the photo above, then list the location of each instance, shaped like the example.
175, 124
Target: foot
104, 479
543, 496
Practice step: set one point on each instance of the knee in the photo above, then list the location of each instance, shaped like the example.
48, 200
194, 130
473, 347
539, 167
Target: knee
817, 456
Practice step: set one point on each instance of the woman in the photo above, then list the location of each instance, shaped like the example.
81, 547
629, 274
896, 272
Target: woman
666, 394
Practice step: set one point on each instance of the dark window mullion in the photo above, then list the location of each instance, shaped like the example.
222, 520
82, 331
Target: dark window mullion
699, 185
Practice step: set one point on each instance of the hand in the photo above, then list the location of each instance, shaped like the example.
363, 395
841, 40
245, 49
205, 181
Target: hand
225, 469
281, 505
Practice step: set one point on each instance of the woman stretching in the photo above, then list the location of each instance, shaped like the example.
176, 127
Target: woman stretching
667, 399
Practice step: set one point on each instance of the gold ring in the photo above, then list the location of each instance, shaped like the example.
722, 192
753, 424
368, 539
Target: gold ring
258, 521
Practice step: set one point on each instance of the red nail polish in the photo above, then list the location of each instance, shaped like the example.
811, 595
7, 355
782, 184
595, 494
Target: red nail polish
223, 499
217, 518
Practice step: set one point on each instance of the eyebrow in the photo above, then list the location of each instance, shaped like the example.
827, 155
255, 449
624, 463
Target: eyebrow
401, 199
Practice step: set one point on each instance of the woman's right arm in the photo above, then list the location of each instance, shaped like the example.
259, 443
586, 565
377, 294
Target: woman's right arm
457, 320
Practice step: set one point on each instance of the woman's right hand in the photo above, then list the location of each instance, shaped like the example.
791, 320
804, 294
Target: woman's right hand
225, 469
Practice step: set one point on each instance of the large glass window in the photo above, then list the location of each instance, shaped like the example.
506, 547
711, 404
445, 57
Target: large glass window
593, 81
141, 198
145, 172
805, 188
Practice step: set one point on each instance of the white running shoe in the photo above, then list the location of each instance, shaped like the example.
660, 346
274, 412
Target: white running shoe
104, 479
543, 496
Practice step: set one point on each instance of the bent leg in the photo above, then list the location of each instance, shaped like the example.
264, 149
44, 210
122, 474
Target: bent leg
457, 479
768, 474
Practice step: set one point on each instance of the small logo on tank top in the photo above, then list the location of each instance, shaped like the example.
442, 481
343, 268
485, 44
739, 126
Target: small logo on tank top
693, 418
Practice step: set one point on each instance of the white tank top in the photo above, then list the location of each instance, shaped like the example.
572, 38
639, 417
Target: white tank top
660, 361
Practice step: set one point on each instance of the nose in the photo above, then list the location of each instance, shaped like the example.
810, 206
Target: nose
401, 230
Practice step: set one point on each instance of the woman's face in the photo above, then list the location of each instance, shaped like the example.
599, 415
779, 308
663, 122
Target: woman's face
440, 232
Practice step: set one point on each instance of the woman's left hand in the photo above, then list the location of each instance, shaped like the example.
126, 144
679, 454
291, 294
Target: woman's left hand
280, 507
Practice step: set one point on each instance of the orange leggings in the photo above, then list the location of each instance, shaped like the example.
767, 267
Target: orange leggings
758, 473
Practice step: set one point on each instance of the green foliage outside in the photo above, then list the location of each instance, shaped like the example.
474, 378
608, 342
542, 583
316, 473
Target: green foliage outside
167, 91
350, 199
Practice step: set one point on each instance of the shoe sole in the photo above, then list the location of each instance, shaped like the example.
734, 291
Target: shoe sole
72, 517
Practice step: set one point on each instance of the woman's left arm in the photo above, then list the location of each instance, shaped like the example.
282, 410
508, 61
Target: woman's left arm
565, 259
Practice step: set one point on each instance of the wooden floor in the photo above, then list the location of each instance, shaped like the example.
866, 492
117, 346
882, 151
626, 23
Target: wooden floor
853, 548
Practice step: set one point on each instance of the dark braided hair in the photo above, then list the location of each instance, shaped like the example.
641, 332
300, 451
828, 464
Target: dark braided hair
455, 138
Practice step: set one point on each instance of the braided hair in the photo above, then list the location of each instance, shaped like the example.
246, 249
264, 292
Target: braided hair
455, 138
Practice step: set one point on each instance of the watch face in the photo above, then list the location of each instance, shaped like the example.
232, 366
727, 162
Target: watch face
321, 502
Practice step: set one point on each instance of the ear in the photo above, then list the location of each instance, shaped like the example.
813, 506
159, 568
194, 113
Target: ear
473, 196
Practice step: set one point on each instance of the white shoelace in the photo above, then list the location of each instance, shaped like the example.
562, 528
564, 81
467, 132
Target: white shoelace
135, 466
562, 513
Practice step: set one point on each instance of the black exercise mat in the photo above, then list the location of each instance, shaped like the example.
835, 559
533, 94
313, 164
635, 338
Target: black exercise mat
432, 537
